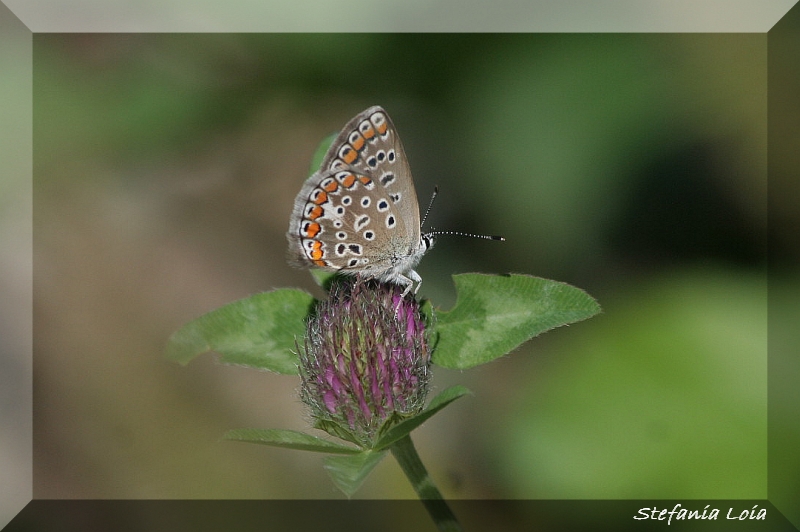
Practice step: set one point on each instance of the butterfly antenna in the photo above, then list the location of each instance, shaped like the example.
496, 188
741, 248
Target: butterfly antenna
430, 204
454, 233
458, 233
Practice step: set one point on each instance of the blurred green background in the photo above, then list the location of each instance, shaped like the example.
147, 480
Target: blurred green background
632, 166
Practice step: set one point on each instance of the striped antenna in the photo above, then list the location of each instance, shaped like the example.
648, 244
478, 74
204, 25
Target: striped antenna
453, 233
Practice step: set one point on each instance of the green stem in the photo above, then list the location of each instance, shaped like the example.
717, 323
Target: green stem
406, 455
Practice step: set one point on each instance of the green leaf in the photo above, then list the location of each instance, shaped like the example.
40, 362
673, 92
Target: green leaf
335, 429
406, 426
496, 313
322, 149
257, 332
290, 439
349, 472
322, 278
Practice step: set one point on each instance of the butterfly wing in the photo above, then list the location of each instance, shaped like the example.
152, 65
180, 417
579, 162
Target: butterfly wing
369, 144
359, 211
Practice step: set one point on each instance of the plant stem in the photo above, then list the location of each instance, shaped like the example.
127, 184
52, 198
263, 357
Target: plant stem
406, 455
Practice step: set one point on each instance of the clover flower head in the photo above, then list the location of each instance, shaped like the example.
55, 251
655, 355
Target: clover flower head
366, 359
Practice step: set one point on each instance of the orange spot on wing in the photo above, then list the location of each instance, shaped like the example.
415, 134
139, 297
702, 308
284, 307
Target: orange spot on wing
315, 213
316, 251
332, 186
348, 155
365, 180
358, 143
348, 180
313, 229
382, 128
321, 198
320, 263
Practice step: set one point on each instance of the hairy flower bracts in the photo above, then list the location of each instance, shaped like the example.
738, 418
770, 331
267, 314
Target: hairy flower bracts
365, 364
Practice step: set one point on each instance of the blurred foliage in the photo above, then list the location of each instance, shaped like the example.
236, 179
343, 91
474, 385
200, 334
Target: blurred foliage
666, 397
631, 166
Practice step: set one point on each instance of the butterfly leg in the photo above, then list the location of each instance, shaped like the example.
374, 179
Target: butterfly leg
413, 280
409, 282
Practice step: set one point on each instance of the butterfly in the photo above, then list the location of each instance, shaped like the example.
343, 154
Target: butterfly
358, 214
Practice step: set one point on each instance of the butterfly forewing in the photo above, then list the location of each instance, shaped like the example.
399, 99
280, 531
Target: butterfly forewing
369, 143
359, 211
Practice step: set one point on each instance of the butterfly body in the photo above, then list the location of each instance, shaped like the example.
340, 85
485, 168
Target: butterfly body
359, 214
